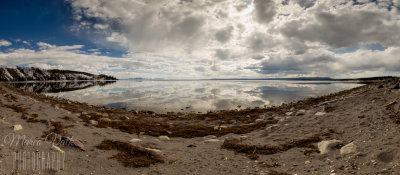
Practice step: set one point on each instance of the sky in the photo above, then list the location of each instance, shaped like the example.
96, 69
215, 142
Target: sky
190, 39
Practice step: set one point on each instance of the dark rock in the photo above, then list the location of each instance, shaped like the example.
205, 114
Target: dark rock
380, 86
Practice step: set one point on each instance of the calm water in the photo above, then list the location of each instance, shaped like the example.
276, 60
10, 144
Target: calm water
187, 96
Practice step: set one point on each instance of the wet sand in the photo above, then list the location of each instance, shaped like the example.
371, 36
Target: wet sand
349, 132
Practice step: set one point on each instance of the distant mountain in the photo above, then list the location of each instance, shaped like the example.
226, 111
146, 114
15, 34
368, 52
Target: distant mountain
36, 74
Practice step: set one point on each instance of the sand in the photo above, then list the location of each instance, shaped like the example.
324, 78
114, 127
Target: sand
87, 139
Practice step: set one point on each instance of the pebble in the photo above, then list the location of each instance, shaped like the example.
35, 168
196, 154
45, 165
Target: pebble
17, 127
320, 113
105, 120
163, 138
259, 120
289, 113
134, 140
211, 140
93, 122
155, 150
301, 112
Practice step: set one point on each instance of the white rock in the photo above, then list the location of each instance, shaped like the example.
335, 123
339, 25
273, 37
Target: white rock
56, 148
93, 122
134, 140
211, 140
155, 150
320, 113
163, 138
17, 127
259, 120
327, 145
289, 113
348, 149
105, 119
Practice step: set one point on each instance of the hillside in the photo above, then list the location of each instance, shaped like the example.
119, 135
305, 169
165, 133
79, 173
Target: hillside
36, 74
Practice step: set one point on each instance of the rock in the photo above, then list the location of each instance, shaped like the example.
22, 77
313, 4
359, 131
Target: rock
105, 119
4, 122
259, 120
320, 113
84, 113
307, 162
56, 148
289, 113
380, 86
396, 86
387, 92
163, 138
300, 112
271, 128
104, 115
154, 150
17, 127
211, 141
93, 122
134, 140
75, 142
243, 137
327, 145
348, 149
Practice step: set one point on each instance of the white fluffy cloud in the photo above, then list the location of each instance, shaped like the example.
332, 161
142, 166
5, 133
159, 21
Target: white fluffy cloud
5, 43
230, 38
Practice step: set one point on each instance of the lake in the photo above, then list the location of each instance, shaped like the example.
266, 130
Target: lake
186, 96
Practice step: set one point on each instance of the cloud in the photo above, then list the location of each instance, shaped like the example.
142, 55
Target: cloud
5, 43
224, 35
220, 38
264, 10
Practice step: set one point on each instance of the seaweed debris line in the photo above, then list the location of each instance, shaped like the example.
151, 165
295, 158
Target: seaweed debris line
355, 131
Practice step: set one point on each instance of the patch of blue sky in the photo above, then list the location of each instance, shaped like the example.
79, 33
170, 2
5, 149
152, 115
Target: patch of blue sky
352, 49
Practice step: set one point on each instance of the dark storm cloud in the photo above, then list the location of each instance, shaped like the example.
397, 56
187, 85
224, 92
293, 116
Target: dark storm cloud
292, 65
224, 35
345, 29
265, 10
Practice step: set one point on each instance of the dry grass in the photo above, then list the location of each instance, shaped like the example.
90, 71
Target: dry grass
130, 155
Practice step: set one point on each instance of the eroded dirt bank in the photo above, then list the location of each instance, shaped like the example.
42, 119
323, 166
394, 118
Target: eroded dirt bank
350, 132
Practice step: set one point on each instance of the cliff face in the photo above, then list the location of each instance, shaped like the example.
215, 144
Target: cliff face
36, 74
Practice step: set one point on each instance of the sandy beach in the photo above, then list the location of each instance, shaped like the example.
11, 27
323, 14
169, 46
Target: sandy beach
350, 132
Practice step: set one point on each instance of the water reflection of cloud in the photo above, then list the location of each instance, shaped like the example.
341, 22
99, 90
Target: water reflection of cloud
199, 96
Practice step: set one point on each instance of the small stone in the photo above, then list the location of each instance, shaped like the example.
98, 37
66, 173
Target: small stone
17, 127
348, 149
307, 162
56, 148
105, 119
84, 113
211, 141
289, 113
327, 145
163, 138
154, 150
301, 112
4, 122
243, 137
93, 122
320, 113
134, 140
259, 120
